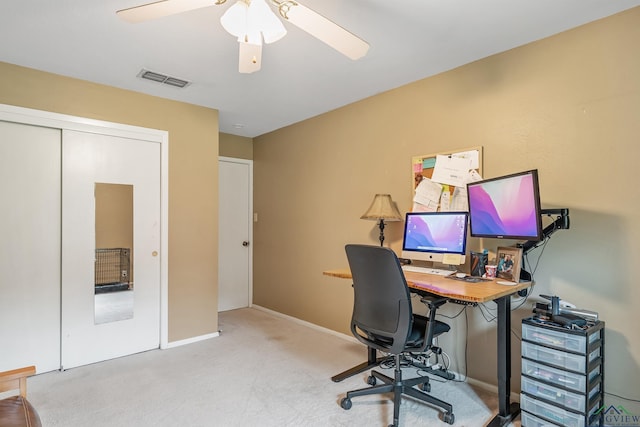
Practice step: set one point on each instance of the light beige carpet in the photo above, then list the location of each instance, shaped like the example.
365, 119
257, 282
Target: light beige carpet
263, 370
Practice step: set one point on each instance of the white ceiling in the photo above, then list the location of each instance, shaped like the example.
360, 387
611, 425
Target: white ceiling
301, 77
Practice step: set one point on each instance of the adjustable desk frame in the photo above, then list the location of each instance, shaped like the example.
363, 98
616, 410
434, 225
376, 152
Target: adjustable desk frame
470, 292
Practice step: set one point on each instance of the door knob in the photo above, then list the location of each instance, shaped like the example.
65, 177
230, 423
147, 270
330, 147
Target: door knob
245, 243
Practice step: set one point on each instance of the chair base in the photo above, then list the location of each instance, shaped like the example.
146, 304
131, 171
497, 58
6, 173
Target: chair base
400, 387
372, 361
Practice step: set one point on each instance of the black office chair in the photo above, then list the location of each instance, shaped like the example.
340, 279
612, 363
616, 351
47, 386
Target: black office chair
383, 319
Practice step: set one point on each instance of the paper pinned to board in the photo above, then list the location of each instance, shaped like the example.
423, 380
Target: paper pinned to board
459, 201
431, 207
474, 176
427, 195
451, 170
472, 155
445, 199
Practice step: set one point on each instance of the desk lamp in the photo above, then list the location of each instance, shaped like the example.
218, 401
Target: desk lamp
382, 208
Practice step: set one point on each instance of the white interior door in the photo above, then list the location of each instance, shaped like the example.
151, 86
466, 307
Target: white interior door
30, 249
235, 234
88, 159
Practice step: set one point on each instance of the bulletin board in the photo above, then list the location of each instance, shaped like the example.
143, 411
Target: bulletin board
423, 166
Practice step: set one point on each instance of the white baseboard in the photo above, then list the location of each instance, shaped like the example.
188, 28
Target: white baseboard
191, 340
307, 324
515, 397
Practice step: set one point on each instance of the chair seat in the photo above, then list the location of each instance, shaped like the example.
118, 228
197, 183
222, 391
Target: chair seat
420, 323
16, 411
415, 340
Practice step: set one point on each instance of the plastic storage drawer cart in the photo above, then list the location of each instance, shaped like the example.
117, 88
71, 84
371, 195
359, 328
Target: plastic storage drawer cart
562, 374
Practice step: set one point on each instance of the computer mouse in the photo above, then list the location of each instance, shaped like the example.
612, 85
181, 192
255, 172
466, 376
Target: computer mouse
461, 275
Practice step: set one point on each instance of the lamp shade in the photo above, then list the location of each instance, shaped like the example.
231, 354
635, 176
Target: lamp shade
382, 207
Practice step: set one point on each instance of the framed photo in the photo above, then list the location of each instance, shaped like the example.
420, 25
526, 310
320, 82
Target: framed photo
509, 261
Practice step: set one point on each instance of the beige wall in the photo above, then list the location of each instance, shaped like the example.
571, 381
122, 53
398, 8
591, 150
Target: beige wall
114, 215
238, 147
114, 218
568, 105
193, 178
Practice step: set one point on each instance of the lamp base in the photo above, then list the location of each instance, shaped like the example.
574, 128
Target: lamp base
381, 226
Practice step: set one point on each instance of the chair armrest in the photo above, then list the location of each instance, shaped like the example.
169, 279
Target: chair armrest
16, 379
433, 303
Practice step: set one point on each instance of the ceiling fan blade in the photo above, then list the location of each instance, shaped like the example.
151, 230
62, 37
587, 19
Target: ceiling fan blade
323, 29
250, 57
159, 9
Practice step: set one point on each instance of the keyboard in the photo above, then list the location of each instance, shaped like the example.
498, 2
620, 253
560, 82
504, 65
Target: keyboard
427, 270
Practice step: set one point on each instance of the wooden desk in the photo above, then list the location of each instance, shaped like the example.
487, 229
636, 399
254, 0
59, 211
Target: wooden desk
448, 287
470, 292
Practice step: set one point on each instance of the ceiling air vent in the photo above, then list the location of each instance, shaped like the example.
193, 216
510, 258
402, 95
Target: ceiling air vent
161, 78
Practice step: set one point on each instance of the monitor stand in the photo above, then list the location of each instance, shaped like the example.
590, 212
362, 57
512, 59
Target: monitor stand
560, 223
525, 276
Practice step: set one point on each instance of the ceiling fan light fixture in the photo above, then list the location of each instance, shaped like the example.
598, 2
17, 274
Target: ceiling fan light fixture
252, 19
251, 38
234, 20
250, 58
253, 22
263, 18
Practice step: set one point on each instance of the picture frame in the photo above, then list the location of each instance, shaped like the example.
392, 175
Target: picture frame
508, 261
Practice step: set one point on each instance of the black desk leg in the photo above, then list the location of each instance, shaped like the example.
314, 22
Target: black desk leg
506, 411
371, 362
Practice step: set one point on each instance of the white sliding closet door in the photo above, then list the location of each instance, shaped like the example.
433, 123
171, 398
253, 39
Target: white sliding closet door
88, 159
30, 247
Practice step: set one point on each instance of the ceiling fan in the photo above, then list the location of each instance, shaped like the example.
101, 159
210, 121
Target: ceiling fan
252, 21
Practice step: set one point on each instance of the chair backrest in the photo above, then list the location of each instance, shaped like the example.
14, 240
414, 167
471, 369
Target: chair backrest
16, 380
382, 312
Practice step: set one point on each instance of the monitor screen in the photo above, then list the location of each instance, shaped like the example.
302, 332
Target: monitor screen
428, 236
507, 207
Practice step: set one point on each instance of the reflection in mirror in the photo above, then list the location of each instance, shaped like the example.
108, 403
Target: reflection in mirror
113, 286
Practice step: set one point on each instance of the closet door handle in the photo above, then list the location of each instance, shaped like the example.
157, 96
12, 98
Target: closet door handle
245, 243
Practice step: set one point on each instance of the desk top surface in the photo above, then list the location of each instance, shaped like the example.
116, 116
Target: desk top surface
447, 287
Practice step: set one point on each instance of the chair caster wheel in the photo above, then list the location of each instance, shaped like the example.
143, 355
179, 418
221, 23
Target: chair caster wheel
345, 403
371, 380
449, 418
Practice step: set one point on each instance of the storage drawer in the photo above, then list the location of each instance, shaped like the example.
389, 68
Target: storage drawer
551, 412
558, 396
559, 339
561, 359
557, 376
529, 420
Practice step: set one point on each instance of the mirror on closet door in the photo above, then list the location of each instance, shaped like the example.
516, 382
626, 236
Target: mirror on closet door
113, 287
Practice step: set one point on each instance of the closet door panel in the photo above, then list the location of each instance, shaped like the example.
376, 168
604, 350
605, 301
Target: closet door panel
89, 160
30, 230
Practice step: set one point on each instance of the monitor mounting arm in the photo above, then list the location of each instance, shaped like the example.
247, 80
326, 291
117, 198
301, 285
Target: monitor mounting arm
560, 223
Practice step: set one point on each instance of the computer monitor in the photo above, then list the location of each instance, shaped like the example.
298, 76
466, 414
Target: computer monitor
507, 207
429, 236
